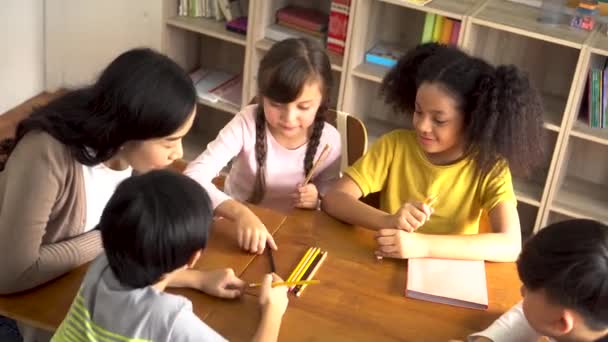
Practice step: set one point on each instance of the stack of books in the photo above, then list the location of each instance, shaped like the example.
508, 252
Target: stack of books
440, 29
597, 97
298, 22
384, 54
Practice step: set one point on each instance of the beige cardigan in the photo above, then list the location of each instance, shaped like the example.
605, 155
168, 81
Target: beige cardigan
42, 215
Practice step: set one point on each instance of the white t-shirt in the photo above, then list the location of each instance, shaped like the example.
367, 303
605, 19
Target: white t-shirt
99, 184
512, 326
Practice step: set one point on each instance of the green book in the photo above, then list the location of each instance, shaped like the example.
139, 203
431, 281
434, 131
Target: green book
437, 28
427, 31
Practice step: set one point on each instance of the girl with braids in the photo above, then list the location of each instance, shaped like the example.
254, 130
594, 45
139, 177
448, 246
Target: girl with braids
445, 187
274, 144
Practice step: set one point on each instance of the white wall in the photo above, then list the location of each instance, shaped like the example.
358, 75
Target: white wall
21, 51
84, 36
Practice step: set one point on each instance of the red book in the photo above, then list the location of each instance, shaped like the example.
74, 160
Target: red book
307, 18
338, 25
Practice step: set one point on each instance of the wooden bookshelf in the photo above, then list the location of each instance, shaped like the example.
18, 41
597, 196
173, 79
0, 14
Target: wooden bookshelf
556, 58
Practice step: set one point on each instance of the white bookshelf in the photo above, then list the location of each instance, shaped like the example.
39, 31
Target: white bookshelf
573, 178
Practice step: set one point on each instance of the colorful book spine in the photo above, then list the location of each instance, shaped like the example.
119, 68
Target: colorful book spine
338, 25
427, 31
446, 31
437, 29
455, 33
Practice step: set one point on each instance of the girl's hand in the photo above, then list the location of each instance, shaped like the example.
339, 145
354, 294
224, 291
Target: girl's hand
397, 243
222, 283
411, 216
306, 197
273, 300
252, 234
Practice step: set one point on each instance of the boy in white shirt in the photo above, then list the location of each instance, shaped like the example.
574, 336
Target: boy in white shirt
564, 271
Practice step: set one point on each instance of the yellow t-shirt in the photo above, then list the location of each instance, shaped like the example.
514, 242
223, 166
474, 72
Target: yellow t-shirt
397, 167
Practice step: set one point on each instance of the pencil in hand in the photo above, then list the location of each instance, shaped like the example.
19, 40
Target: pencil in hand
322, 157
288, 283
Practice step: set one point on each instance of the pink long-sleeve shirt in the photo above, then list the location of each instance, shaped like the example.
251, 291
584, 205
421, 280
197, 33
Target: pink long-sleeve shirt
284, 167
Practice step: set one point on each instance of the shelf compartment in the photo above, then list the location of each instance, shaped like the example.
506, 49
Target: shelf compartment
529, 191
580, 198
335, 59
447, 8
209, 27
522, 20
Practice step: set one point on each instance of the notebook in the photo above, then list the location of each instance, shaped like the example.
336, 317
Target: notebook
453, 282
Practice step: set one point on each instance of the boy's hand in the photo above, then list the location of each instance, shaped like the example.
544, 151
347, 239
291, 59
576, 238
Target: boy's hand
397, 243
252, 234
306, 197
273, 299
411, 216
222, 283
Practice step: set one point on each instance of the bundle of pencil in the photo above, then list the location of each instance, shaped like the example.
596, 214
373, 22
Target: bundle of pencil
306, 269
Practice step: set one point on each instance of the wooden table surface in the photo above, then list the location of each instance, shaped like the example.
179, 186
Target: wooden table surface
359, 298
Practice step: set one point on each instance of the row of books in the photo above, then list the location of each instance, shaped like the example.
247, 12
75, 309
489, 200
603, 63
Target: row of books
231, 11
218, 86
301, 22
597, 96
440, 29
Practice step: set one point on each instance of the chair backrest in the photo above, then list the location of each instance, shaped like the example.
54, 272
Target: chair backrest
354, 138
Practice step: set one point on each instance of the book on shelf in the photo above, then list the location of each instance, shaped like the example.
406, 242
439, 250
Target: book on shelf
298, 28
597, 98
238, 25
200, 9
278, 32
338, 25
217, 85
305, 18
440, 29
384, 54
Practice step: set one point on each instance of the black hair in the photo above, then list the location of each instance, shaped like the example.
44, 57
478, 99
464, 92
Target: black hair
502, 110
153, 224
141, 95
569, 261
284, 71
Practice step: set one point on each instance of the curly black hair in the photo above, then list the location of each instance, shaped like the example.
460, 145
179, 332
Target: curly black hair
502, 109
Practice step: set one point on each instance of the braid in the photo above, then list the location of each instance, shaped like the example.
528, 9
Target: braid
315, 138
259, 188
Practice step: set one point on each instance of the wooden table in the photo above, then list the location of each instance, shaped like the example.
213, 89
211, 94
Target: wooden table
359, 298
45, 306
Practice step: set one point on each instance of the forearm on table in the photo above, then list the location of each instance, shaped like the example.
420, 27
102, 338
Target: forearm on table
268, 329
53, 260
349, 209
499, 247
232, 209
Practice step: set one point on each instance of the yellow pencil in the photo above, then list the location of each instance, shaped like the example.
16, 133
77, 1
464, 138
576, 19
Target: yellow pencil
301, 288
288, 283
295, 270
430, 200
303, 270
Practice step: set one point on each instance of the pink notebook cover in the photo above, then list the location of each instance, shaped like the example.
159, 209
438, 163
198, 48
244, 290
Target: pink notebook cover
453, 282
